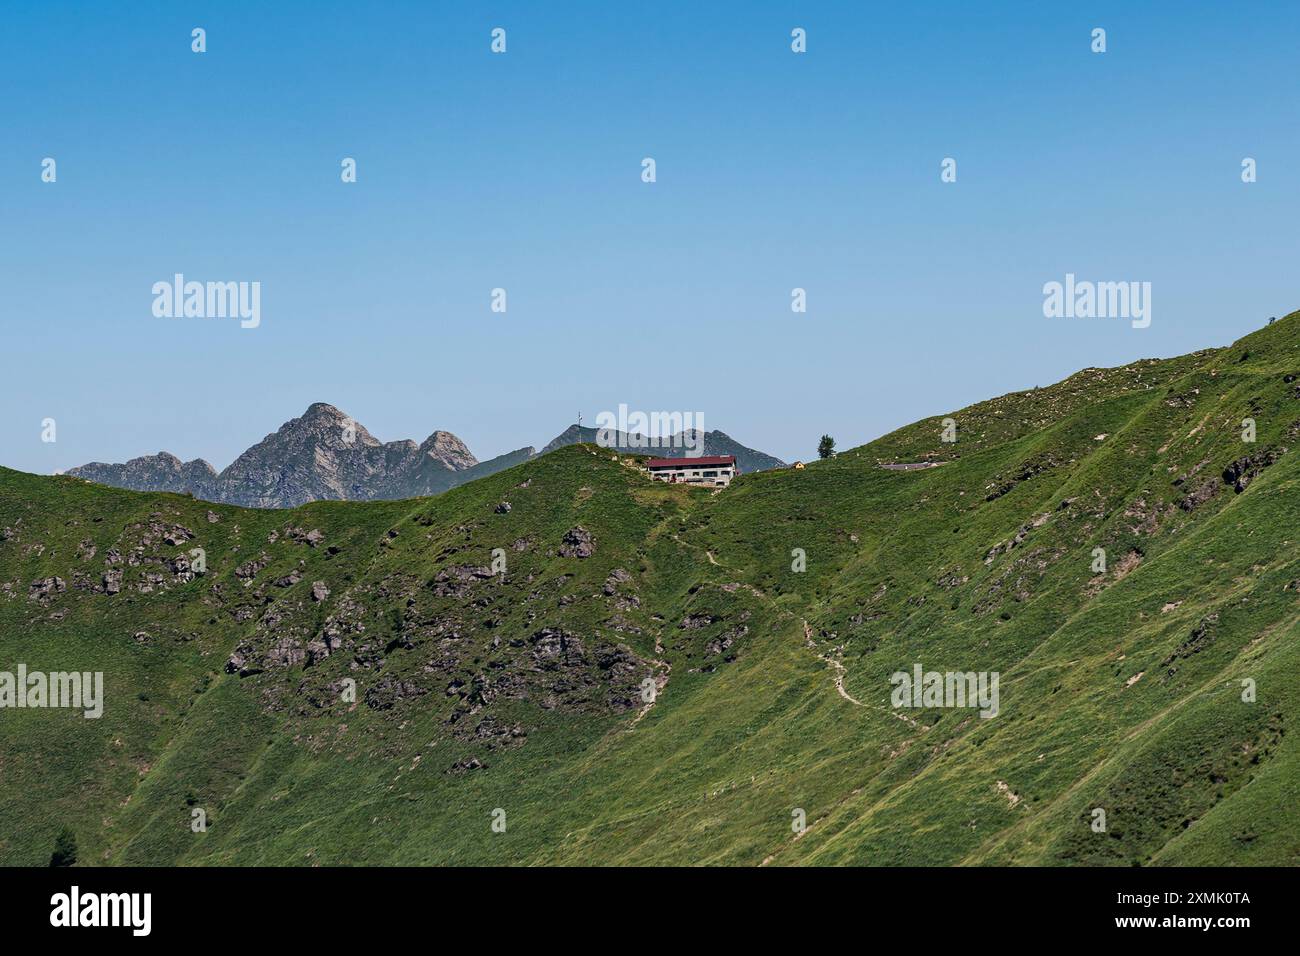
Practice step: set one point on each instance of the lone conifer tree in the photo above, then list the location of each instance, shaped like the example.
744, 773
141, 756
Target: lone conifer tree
65, 848
826, 447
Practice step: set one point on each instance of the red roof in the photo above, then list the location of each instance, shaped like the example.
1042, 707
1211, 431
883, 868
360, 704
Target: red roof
708, 462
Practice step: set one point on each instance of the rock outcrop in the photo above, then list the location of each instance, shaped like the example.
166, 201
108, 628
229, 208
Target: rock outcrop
160, 472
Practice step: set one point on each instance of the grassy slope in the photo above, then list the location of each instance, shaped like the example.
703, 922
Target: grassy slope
902, 567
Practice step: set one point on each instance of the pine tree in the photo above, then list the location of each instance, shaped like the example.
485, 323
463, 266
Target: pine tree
65, 849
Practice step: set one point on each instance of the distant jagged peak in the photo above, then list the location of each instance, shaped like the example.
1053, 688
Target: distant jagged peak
162, 458
325, 410
163, 462
449, 450
329, 424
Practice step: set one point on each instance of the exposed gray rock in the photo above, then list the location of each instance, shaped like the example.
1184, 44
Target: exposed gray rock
1243, 471
577, 543
1199, 495
251, 567
177, 535
43, 589
160, 472
554, 646
695, 621
464, 766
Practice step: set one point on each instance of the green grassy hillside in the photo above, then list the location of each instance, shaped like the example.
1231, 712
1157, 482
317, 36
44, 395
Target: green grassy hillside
500, 639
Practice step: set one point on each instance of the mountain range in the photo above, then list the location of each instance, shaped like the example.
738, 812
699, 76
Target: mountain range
565, 662
324, 455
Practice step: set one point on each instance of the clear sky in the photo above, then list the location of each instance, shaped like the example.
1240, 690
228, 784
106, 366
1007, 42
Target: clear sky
775, 170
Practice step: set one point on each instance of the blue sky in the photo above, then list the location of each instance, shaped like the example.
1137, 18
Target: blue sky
522, 171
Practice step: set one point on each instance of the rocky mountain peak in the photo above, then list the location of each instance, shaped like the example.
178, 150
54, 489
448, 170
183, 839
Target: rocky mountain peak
323, 410
324, 425
449, 450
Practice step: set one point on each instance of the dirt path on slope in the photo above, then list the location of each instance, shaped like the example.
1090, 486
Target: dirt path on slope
840, 670
911, 465
661, 681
